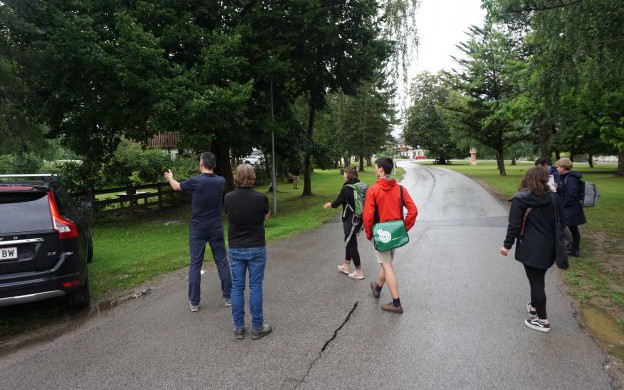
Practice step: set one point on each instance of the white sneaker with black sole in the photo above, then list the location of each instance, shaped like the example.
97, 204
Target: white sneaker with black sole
193, 308
537, 324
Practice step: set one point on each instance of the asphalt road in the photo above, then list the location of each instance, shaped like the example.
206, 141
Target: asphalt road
462, 327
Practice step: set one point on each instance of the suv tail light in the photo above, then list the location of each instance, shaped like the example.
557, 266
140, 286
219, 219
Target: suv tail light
64, 227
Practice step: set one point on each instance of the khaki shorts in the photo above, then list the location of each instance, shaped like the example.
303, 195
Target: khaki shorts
384, 257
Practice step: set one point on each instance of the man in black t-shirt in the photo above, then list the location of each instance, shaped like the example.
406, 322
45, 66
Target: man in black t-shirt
206, 226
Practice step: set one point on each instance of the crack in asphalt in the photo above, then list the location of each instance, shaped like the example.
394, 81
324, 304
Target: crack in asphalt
297, 382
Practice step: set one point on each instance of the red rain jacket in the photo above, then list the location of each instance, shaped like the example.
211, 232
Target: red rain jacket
386, 195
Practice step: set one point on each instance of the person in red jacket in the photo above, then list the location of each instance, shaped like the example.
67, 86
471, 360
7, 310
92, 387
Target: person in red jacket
383, 203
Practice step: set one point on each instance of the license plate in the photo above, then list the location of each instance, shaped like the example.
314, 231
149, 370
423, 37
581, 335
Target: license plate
8, 253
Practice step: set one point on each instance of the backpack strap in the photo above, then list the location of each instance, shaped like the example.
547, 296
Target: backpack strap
402, 201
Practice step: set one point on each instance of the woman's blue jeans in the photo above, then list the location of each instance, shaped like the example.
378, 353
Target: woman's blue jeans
241, 260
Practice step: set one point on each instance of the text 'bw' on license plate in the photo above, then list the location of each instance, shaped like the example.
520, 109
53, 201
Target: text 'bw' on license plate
8, 253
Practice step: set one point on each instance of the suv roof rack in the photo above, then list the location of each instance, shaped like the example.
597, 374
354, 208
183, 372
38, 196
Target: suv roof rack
45, 177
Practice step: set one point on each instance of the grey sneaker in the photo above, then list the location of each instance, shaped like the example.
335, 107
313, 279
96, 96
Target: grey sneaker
227, 302
194, 308
239, 333
258, 333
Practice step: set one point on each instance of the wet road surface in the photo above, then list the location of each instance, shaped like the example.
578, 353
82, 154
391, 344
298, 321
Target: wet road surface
462, 327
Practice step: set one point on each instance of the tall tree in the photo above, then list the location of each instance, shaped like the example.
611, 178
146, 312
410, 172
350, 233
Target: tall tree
487, 78
340, 45
427, 125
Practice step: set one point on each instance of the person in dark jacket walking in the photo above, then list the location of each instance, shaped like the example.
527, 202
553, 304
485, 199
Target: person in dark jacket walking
351, 224
532, 227
569, 192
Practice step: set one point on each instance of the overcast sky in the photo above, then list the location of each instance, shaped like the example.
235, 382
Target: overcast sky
441, 25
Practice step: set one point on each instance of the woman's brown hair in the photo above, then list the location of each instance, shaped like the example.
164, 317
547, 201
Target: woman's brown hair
352, 173
536, 179
244, 176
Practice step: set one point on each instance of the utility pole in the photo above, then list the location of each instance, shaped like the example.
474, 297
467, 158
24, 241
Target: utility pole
273, 173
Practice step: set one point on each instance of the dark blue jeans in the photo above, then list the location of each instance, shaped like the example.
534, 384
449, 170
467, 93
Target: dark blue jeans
197, 244
241, 260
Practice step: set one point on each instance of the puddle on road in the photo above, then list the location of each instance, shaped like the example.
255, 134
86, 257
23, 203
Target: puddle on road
605, 329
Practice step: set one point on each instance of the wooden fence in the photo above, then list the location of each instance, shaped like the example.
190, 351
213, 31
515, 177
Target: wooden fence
130, 200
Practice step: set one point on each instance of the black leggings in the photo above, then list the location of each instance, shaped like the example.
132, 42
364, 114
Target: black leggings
576, 237
538, 294
351, 248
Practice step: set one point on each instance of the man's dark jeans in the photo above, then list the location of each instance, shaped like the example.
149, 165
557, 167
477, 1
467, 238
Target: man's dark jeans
197, 244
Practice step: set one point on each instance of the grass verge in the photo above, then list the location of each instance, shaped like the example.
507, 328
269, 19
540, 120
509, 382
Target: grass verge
129, 253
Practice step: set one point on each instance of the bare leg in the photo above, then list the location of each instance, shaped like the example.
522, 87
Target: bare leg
390, 277
382, 276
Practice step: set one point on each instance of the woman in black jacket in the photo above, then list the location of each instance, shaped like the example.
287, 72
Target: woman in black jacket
351, 226
569, 192
532, 227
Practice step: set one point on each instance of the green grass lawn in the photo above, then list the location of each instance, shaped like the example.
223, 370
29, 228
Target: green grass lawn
597, 277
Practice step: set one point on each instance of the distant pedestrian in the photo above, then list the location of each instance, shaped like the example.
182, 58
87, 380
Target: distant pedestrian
246, 211
532, 228
295, 176
351, 224
206, 226
571, 198
383, 203
554, 178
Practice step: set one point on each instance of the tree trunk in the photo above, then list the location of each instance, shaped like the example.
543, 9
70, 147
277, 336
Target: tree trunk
307, 163
557, 155
590, 160
361, 163
224, 167
369, 160
347, 159
513, 160
500, 162
543, 144
620, 168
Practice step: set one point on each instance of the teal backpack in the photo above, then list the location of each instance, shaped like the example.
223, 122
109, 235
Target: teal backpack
359, 195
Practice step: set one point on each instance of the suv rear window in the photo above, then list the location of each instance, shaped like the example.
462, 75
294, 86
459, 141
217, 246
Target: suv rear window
24, 212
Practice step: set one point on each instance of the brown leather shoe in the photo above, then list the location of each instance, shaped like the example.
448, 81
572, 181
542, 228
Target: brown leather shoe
391, 308
376, 293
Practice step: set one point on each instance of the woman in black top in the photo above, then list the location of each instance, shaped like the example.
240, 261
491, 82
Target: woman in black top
351, 224
532, 228
246, 211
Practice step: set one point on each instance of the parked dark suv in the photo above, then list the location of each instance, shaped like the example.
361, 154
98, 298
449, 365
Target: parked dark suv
45, 243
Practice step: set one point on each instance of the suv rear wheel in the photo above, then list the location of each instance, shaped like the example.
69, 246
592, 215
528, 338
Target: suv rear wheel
79, 299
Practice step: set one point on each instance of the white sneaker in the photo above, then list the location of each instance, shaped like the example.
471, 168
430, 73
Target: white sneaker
194, 308
357, 276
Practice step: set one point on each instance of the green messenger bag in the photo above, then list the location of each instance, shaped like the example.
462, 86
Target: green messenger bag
389, 235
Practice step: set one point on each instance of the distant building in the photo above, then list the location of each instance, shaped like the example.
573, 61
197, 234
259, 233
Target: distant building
166, 141
406, 151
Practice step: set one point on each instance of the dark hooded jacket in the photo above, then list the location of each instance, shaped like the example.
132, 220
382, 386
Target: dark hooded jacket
535, 246
570, 197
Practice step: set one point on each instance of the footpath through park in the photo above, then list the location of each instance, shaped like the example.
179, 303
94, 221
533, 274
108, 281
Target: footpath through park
462, 327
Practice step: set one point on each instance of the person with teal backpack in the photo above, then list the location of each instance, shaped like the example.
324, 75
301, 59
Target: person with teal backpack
352, 197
